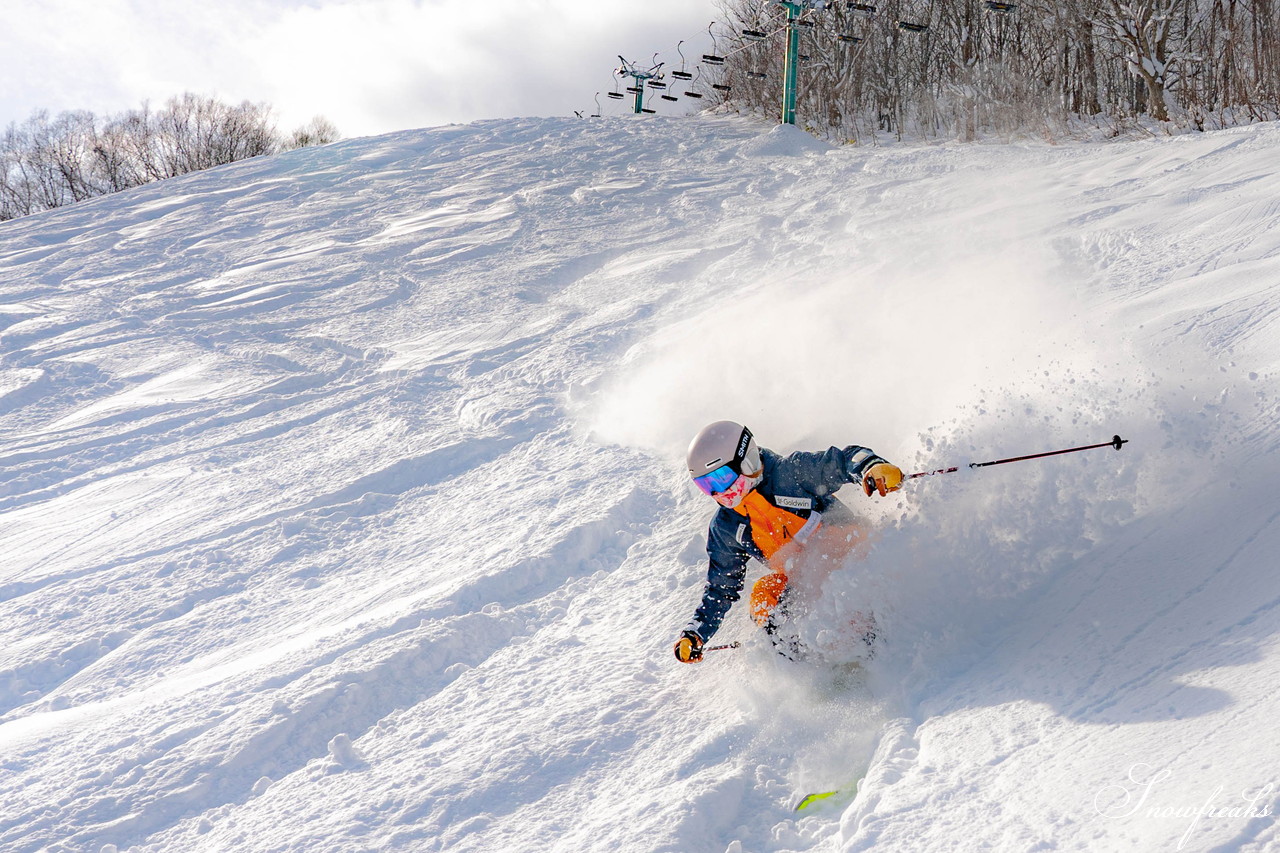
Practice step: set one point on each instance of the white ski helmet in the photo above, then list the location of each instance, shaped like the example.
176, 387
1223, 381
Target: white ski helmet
722, 449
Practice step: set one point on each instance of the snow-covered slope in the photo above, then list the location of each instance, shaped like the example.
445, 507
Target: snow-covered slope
342, 503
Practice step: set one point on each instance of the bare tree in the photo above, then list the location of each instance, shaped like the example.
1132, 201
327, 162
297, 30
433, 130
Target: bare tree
966, 67
46, 163
117, 162
318, 131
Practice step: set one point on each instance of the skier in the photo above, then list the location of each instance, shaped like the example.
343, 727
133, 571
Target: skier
772, 508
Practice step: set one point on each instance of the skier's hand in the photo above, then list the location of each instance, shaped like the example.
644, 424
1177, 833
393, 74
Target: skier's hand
688, 648
882, 477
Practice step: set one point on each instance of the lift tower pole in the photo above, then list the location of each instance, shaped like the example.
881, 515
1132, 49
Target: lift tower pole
791, 63
790, 69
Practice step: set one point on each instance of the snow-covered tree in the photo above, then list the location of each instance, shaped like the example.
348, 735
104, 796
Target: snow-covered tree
960, 67
1143, 29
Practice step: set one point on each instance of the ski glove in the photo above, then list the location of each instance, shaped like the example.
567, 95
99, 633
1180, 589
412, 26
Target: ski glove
688, 648
882, 477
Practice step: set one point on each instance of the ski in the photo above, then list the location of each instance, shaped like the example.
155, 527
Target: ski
812, 799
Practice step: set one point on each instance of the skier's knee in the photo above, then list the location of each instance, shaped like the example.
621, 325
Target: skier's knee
766, 595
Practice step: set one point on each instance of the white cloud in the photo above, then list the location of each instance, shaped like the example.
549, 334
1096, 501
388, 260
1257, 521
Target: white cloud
370, 65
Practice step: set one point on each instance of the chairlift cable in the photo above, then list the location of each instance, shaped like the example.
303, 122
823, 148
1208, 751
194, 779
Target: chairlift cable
715, 59
743, 47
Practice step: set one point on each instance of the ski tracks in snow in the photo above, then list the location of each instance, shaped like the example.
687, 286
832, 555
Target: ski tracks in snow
273, 435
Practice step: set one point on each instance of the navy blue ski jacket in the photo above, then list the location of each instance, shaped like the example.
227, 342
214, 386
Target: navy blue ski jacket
802, 483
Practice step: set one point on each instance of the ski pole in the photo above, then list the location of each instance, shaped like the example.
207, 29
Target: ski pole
1117, 442
735, 644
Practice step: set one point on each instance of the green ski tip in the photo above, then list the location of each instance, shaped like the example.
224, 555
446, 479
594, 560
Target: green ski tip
814, 798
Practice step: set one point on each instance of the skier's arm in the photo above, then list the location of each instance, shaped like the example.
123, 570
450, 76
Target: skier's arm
836, 466
726, 574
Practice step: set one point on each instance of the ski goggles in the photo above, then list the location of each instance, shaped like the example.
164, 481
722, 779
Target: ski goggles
717, 481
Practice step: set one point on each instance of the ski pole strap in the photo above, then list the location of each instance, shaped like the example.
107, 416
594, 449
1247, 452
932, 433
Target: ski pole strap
1116, 441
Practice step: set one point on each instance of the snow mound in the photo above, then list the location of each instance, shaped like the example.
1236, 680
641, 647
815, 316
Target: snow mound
784, 140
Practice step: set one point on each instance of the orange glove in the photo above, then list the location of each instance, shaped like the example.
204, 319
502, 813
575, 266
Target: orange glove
882, 477
688, 648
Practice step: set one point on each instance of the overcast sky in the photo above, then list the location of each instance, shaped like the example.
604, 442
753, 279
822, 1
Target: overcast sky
371, 66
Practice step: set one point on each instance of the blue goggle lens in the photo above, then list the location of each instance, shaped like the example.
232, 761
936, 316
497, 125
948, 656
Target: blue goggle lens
717, 481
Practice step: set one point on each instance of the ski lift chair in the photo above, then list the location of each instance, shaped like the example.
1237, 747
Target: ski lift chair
681, 74
690, 92
715, 57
